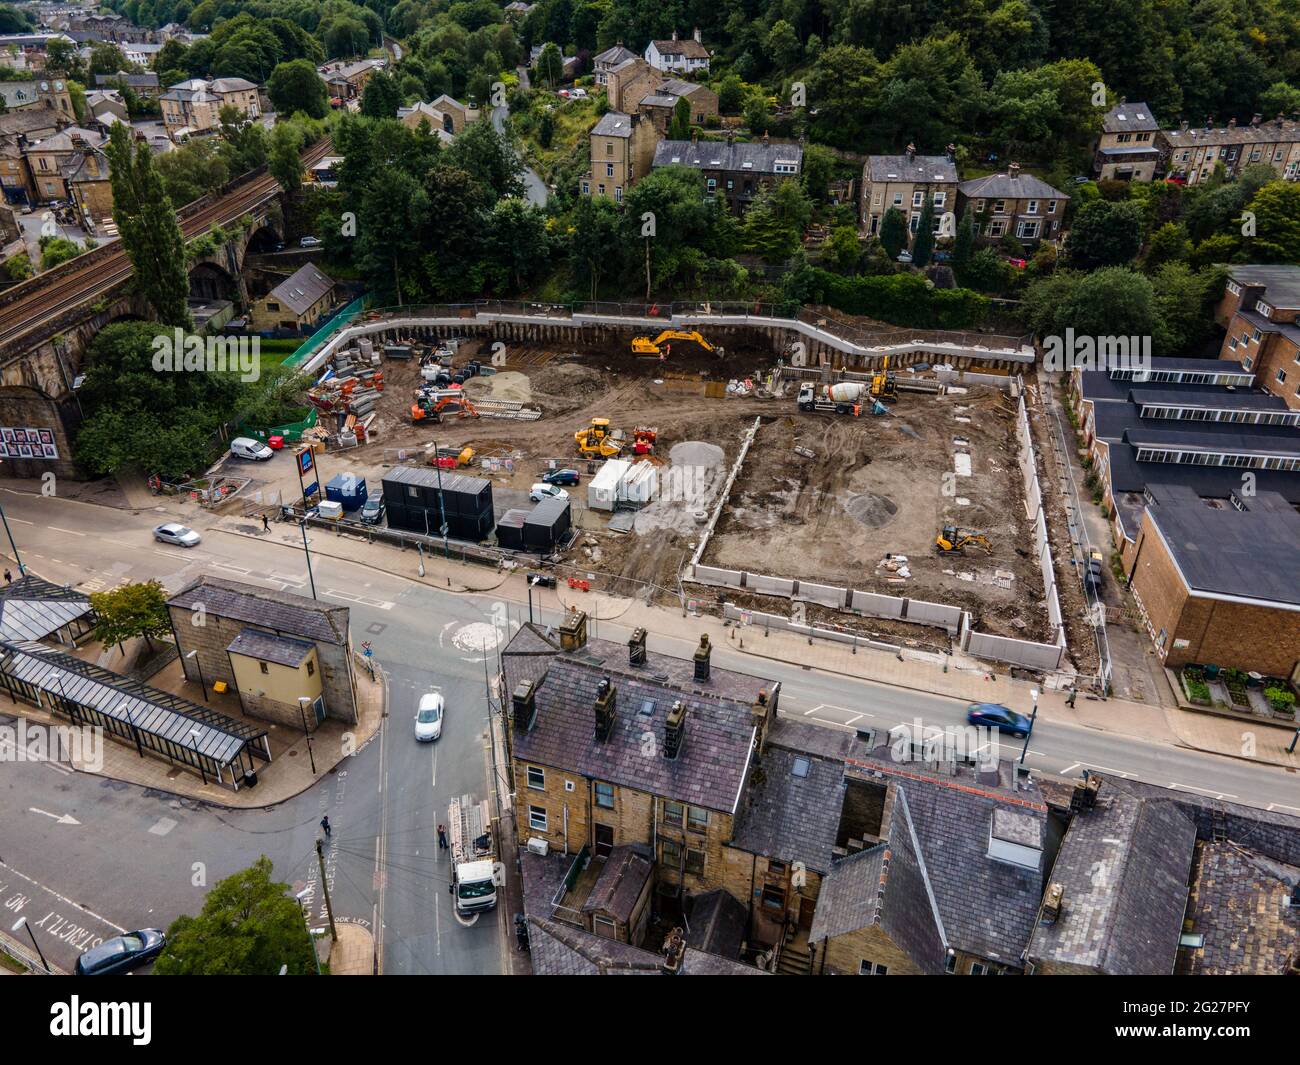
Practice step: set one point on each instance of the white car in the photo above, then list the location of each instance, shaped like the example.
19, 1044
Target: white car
309, 242
245, 447
180, 535
428, 717
541, 491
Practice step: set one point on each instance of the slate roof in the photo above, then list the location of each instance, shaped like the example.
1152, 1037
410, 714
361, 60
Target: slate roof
1239, 904
711, 765
284, 612
751, 157
887, 885
1004, 187
796, 818
562, 950
270, 648
1265, 133
613, 124
1124, 868
133, 81
987, 907
717, 924
1281, 283
1252, 553
613, 56
918, 169
1127, 118
223, 85
626, 873
303, 289
31, 608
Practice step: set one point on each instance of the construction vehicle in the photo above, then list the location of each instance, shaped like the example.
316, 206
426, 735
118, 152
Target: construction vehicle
660, 347
952, 540
598, 440
430, 403
848, 399
473, 856
450, 458
644, 438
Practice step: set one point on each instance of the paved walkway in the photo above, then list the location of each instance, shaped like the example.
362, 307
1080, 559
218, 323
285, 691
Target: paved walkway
353, 953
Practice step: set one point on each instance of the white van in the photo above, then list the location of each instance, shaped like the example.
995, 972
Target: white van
245, 447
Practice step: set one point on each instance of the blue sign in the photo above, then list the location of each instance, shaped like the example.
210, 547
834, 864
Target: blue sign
311, 490
306, 460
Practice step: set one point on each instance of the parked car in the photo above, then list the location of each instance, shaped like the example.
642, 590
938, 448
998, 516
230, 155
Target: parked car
245, 447
541, 491
561, 477
428, 717
373, 511
1092, 576
121, 954
180, 535
309, 242
541, 580
995, 715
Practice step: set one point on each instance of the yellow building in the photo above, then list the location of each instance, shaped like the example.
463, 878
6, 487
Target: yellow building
274, 674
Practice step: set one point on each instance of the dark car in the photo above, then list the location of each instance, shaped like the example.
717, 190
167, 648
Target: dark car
995, 715
121, 954
561, 477
541, 580
372, 512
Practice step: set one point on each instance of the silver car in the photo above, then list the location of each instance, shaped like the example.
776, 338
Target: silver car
180, 535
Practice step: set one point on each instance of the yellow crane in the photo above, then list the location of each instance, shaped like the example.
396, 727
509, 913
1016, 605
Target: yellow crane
659, 346
952, 539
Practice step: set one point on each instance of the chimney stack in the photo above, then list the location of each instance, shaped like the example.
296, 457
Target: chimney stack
1256, 118
1052, 902
695, 135
1209, 122
606, 708
911, 152
952, 153
760, 717
1013, 170
1182, 126
675, 730
1232, 122
698, 39
573, 630
524, 701
636, 648
702, 654
674, 952
766, 138
674, 35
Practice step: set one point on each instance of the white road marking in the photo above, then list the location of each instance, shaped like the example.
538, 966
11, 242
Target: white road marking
70, 532
1103, 768
435, 765
1283, 805
63, 819
1203, 791
22, 521
162, 826
63, 898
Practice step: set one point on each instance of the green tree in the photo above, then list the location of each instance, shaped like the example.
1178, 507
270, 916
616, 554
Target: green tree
986, 271
893, 232
550, 66
285, 157
1276, 208
1168, 244
106, 58
843, 249
546, 130
192, 170
783, 44
296, 86
963, 247
131, 611
1112, 301
249, 926
679, 126
1182, 302
146, 224
55, 250
14, 21
1104, 234
818, 169
594, 242
923, 242
382, 96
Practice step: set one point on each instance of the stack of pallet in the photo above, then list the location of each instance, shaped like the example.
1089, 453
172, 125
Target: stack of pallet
352, 393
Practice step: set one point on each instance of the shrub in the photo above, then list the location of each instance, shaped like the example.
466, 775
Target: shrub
1280, 699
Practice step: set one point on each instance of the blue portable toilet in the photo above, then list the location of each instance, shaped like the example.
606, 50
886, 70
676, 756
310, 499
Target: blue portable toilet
348, 490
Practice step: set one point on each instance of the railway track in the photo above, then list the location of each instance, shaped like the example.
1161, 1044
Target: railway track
46, 303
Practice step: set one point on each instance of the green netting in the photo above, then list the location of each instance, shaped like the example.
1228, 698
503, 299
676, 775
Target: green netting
292, 431
343, 316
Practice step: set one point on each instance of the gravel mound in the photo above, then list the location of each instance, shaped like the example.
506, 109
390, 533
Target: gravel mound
872, 510
696, 453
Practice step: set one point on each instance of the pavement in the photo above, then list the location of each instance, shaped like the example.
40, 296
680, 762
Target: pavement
353, 953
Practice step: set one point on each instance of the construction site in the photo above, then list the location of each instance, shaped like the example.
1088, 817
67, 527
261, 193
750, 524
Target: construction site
896, 485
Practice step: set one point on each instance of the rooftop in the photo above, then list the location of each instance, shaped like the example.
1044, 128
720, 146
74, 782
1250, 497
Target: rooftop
754, 156
613, 124
32, 608
1126, 118
283, 612
687, 47
917, 169
283, 650
303, 289
1281, 283
1265, 133
1005, 187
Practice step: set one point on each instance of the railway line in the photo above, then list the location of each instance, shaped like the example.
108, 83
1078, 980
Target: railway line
47, 302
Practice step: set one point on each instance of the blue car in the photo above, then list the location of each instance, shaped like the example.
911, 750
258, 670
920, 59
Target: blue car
995, 715
560, 477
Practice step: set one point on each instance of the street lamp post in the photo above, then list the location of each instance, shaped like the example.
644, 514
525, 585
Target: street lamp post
306, 551
302, 712
531, 582
198, 758
199, 666
22, 923
442, 504
22, 570
1032, 719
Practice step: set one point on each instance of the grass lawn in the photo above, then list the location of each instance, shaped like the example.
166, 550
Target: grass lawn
572, 120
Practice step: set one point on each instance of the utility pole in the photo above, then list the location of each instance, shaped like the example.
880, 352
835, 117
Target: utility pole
306, 551
325, 890
1032, 719
22, 923
22, 570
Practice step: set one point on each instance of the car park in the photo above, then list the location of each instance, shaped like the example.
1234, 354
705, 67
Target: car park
428, 717
541, 491
997, 716
180, 535
121, 954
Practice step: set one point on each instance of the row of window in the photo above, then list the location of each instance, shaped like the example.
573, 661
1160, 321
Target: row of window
1229, 153
1129, 138
677, 814
977, 968
1182, 377
1205, 458
1203, 414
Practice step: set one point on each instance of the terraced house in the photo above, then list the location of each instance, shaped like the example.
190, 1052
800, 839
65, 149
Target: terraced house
1127, 149
1014, 204
906, 182
1190, 155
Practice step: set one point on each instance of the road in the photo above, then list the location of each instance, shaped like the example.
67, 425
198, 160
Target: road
534, 187
130, 861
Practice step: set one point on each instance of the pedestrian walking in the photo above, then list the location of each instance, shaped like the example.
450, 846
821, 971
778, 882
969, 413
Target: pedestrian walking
9, 577
1074, 694
266, 525
442, 837
325, 825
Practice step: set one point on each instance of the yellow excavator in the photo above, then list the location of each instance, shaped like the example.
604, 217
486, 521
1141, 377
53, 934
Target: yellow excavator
884, 385
661, 347
952, 540
598, 440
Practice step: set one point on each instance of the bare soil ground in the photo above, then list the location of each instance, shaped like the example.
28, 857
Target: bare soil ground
880, 486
